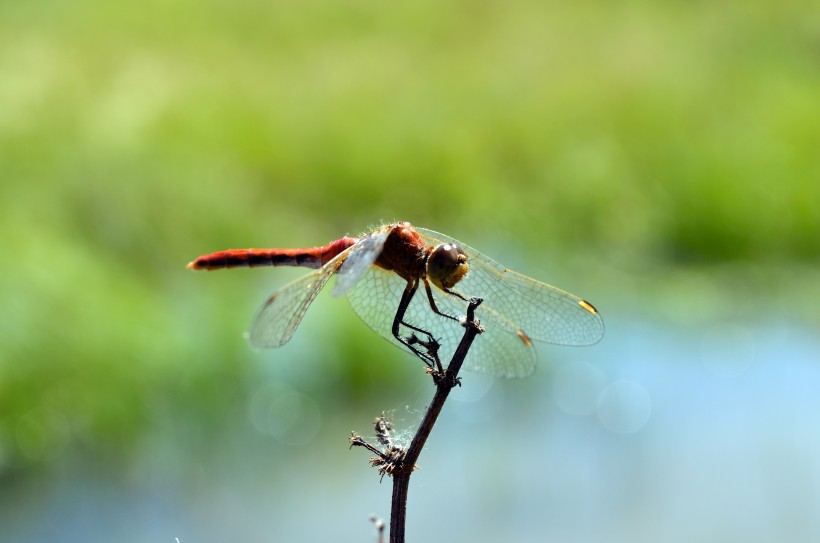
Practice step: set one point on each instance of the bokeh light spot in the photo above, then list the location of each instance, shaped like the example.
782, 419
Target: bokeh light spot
624, 407
289, 416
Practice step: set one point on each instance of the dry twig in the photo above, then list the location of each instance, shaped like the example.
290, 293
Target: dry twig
400, 463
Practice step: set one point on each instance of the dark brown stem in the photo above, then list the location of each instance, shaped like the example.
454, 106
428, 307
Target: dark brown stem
444, 383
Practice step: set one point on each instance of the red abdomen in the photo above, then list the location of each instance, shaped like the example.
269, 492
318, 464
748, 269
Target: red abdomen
314, 257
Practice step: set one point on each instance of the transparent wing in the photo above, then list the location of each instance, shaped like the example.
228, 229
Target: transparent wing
281, 314
375, 298
362, 257
522, 305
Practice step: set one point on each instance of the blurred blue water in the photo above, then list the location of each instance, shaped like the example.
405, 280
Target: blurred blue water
657, 434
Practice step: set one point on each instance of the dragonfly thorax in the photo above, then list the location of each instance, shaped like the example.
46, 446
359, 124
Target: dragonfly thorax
447, 265
404, 252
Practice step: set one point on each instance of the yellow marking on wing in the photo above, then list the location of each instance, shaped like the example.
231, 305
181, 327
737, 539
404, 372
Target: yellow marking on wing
524, 337
588, 306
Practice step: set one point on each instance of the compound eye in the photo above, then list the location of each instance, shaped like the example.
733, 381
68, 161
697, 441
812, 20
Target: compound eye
447, 265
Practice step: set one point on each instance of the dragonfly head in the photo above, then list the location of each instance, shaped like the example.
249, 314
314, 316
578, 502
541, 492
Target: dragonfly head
447, 265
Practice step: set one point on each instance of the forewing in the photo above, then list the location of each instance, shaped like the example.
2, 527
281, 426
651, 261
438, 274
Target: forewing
281, 314
361, 259
522, 305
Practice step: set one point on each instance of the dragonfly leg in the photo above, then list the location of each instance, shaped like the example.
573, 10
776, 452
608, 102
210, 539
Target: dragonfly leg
430, 345
432, 301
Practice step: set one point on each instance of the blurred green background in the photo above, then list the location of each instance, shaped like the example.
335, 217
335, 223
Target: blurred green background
657, 158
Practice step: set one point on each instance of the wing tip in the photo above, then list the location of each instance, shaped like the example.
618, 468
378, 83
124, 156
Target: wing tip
588, 306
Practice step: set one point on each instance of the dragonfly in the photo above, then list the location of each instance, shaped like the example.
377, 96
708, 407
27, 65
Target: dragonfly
380, 274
